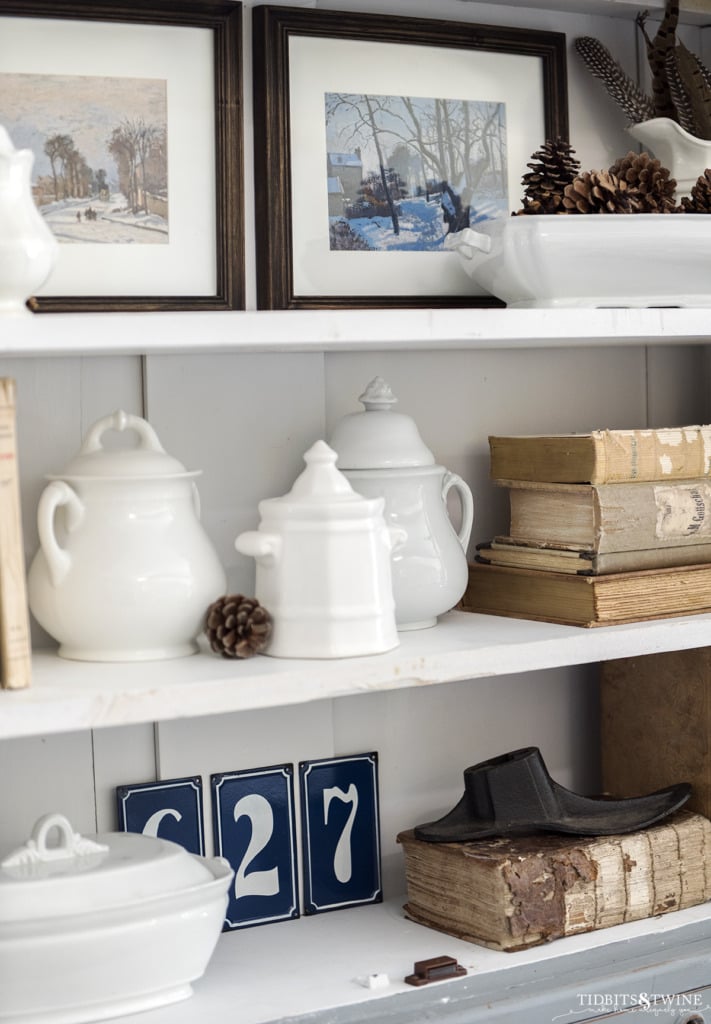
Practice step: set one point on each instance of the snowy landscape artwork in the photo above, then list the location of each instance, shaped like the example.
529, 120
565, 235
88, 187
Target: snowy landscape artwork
403, 172
100, 170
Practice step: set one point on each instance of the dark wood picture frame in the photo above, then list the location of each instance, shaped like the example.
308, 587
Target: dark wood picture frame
273, 27
224, 19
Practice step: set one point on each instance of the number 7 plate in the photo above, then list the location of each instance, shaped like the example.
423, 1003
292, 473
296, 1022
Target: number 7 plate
254, 829
341, 832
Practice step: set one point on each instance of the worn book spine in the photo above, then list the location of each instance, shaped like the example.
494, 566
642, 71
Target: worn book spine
15, 644
603, 456
612, 517
613, 598
505, 551
513, 893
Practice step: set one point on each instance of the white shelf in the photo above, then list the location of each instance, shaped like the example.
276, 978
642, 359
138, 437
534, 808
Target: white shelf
70, 695
312, 969
98, 334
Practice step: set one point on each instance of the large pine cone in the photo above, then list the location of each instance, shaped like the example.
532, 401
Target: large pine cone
700, 199
237, 626
652, 183
599, 192
552, 168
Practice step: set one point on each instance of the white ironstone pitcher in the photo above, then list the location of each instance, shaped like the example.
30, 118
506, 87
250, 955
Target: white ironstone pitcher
28, 249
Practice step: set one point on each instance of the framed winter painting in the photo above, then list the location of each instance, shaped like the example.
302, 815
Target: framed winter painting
131, 111
376, 137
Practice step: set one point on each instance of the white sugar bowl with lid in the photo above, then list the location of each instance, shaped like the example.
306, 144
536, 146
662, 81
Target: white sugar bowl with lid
125, 570
323, 566
382, 455
104, 925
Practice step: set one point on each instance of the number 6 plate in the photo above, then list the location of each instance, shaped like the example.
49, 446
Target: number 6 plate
341, 832
254, 829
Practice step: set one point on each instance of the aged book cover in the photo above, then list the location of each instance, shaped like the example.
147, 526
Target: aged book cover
655, 723
587, 600
507, 551
611, 517
15, 644
512, 893
603, 456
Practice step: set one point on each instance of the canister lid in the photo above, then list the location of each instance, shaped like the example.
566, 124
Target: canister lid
81, 874
379, 438
320, 492
146, 459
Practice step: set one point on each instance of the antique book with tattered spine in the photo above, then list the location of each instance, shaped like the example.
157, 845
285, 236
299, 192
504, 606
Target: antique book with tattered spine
611, 517
512, 893
603, 456
572, 600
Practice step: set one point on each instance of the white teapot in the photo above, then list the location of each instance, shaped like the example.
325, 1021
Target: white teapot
382, 455
125, 571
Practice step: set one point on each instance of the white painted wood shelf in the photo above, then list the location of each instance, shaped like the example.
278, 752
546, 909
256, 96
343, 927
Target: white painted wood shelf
313, 968
96, 334
70, 695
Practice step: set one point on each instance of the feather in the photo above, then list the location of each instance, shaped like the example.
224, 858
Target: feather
697, 91
623, 90
680, 99
657, 51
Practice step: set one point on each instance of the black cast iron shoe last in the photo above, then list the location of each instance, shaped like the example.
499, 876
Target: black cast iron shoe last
513, 794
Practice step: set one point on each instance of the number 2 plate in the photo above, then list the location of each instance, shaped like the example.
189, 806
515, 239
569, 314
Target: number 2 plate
341, 832
254, 829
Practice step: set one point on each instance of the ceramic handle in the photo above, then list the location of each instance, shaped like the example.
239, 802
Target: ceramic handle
55, 495
121, 421
451, 480
265, 547
37, 850
468, 243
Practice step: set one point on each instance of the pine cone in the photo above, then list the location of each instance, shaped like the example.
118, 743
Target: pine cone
552, 168
237, 626
700, 199
599, 192
650, 182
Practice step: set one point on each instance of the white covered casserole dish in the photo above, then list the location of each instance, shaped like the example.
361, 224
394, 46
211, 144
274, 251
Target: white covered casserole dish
101, 926
591, 260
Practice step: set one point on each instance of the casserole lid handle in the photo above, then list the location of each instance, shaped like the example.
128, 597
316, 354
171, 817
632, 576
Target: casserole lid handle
38, 850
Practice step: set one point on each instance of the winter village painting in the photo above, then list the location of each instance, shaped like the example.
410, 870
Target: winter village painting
403, 172
100, 169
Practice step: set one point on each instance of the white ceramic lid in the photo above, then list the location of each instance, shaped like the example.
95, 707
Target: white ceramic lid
79, 874
379, 438
320, 492
146, 459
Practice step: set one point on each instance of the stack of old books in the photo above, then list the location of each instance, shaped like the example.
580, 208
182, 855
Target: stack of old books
606, 527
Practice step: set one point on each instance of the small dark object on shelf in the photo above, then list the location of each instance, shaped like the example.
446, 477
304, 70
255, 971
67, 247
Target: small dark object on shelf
237, 626
437, 968
513, 794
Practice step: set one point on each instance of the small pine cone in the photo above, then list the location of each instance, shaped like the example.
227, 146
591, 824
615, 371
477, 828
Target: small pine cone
237, 626
599, 192
651, 183
552, 168
700, 199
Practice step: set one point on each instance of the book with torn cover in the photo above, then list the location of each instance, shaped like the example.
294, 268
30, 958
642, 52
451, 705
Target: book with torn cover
603, 456
511, 893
